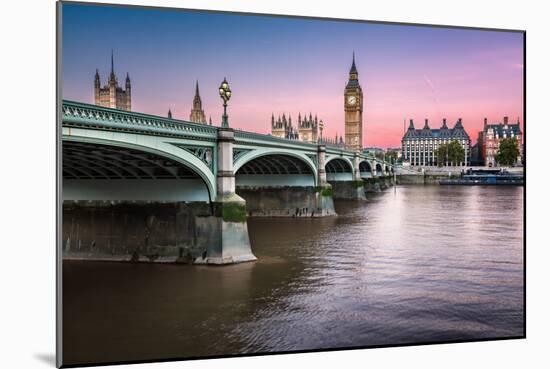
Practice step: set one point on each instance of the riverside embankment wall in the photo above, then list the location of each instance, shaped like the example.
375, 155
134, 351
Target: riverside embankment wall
138, 231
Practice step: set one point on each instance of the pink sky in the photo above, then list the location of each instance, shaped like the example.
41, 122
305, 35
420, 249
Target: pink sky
483, 84
292, 65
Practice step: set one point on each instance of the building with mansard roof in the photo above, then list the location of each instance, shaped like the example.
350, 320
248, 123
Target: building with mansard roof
419, 146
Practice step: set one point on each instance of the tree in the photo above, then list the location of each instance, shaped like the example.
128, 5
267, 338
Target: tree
441, 153
451, 153
508, 151
456, 153
391, 156
379, 155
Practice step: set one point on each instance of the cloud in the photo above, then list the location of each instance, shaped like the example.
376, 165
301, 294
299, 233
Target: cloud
429, 82
432, 88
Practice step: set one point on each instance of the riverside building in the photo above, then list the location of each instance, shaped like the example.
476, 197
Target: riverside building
488, 140
419, 146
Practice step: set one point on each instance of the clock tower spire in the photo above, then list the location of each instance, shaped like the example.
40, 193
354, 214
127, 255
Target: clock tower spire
353, 109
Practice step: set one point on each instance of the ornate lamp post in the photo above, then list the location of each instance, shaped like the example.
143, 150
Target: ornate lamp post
225, 94
321, 126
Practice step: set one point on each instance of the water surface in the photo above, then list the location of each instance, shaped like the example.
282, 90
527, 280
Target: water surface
412, 264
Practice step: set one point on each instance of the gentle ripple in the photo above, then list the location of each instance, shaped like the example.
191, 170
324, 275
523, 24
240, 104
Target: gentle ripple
412, 264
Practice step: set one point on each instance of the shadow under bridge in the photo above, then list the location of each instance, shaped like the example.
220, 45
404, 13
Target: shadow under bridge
281, 185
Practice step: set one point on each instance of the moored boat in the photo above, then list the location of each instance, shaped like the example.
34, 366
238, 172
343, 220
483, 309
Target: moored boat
486, 177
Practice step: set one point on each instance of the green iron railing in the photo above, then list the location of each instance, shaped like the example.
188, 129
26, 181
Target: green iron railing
76, 114
92, 116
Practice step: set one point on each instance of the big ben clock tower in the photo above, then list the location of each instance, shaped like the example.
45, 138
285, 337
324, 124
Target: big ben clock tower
353, 107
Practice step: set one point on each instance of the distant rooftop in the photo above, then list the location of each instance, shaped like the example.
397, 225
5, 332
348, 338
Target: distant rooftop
503, 128
457, 132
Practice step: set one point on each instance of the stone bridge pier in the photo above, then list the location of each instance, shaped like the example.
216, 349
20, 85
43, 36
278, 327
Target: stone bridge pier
138, 187
283, 184
345, 178
127, 202
230, 212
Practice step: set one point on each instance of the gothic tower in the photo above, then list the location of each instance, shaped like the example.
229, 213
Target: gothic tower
128, 90
197, 114
353, 108
113, 84
97, 87
112, 95
307, 128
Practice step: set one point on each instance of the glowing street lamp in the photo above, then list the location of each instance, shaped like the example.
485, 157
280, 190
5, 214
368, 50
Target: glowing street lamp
225, 94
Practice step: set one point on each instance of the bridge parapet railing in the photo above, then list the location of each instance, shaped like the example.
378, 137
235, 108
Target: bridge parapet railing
331, 148
93, 116
333, 145
245, 135
75, 113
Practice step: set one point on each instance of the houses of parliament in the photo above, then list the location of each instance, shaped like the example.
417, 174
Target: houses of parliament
308, 128
114, 96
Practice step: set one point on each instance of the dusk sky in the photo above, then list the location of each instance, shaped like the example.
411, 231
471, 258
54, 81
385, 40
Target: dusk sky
292, 65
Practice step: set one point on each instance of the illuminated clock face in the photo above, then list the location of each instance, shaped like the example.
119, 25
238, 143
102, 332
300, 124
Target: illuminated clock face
352, 100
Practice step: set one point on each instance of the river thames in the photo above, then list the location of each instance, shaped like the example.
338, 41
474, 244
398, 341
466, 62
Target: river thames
411, 264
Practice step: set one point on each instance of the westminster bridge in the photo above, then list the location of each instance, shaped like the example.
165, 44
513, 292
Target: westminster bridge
147, 188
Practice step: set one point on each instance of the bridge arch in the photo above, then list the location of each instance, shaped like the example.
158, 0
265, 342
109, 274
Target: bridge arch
119, 162
339, 169
276, 168
379, 169
365, 169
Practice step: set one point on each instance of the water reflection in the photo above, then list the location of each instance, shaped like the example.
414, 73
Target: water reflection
410, 265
